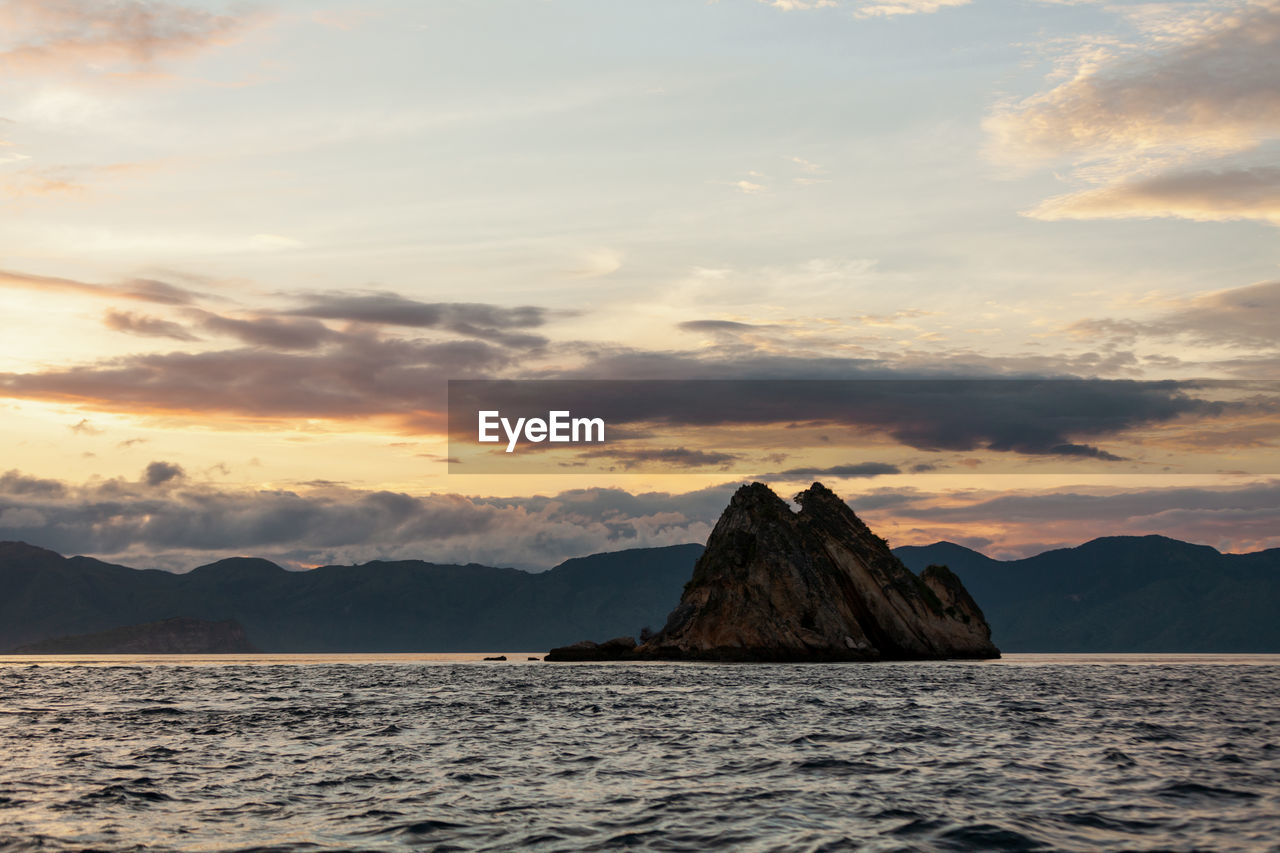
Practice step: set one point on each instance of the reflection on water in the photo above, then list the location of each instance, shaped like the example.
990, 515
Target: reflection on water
388, 751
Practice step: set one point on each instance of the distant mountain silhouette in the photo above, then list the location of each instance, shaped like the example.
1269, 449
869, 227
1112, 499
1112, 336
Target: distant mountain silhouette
178, 636
1124, 593
1121, 593
402, 606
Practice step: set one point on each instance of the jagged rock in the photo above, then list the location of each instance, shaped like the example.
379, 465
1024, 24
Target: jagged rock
497, 657
619, 648
180, 635
813, 585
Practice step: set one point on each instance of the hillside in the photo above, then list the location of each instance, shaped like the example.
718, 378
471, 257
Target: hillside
1139, 594
1122, 593
378, 606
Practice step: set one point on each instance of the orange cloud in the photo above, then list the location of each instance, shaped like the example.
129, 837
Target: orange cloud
1215, 87
141, 289
1129, 121
79, 35
1202, 195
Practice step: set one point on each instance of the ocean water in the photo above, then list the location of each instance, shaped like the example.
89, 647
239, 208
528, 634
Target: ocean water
449, 753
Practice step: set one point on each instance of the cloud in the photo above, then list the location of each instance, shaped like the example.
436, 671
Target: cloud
15, 483
360, 376
141, 289
283, 333
802, 5
96, 36
673, 457
727, 326
807, 165
1216, 88
1129, 120
159, 473
904, 7
869, 8
479, 320
17, 518
860, 469
1204, 195
1241, 317
188, 524
1240, 518
598, 263
84, 427
294, 365
138, 324
1033, 417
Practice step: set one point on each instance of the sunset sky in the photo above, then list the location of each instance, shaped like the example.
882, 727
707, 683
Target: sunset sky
245, 245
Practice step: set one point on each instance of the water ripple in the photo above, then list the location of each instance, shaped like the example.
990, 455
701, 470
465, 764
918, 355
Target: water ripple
381, 756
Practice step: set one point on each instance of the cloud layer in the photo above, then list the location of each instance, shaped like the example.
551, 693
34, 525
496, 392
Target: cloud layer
1146, 125
165, 520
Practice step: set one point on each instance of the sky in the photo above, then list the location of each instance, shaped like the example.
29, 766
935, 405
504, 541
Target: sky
244, 246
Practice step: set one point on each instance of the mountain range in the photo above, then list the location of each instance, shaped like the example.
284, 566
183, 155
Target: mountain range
1117, 594
1121, 594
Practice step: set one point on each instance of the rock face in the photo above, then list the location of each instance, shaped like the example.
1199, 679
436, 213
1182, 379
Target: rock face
817, 585
171, 636
814, 585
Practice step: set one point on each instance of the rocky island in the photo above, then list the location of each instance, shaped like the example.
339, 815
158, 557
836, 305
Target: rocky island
813, 585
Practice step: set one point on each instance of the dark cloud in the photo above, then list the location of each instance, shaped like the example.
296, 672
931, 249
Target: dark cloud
477, 320
360, 376
663, 457
284, 333
159, 473
15, 483
718, 326
138, 324
858, 470
1038, 417
151, 290
1084, 450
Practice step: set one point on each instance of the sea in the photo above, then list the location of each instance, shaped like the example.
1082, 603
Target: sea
452, 752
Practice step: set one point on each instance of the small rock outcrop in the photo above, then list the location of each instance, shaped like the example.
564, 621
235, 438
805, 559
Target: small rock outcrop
180, 635
813, 585
619, 648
